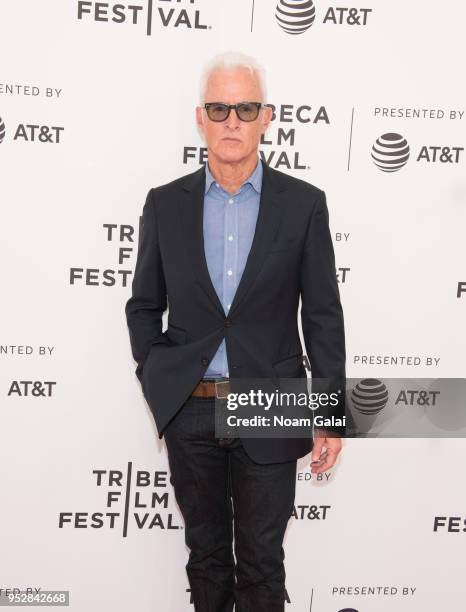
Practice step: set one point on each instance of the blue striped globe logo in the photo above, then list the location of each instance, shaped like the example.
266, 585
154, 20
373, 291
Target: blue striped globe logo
390, 152
295, 16
369, 396
2, 130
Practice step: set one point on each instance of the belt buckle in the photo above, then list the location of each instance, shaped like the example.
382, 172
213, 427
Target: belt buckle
225, 383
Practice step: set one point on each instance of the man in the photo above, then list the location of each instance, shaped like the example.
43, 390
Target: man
231, 248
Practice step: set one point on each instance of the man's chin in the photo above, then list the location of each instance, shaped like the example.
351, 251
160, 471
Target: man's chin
231, 154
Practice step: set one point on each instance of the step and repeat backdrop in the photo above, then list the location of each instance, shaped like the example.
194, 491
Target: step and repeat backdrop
97, 106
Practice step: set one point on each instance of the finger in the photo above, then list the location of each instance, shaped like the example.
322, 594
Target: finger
317, 448
321, 457
327, 462
319, 469
319, 460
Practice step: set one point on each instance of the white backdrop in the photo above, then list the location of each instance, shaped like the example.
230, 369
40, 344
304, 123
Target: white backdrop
113, 110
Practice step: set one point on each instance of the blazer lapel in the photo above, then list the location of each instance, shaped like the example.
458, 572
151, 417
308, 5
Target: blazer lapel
192, 217
268, 221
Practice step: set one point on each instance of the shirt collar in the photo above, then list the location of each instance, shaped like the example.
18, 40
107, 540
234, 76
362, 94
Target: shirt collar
255, 179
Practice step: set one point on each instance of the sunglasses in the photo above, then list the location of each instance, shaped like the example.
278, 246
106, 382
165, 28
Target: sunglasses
245, 111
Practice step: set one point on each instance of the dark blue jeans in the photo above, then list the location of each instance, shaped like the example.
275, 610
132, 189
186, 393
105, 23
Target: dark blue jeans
222, 493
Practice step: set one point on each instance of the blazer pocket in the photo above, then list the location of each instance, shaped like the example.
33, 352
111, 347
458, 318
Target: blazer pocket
177, 335
290, 366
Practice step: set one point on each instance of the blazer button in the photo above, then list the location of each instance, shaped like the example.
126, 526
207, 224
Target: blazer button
205, 361
228, 323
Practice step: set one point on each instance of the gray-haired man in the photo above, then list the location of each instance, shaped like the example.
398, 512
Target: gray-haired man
232, 247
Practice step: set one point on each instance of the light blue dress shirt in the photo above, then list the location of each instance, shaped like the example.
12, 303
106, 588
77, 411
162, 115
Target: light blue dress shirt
229, 224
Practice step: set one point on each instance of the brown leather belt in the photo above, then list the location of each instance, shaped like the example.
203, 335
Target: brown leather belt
211, 388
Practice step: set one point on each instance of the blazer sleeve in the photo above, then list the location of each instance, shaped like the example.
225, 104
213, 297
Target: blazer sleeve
148, 301
321, 311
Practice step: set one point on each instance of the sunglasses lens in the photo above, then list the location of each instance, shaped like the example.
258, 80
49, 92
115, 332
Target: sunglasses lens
217, 112
247, 112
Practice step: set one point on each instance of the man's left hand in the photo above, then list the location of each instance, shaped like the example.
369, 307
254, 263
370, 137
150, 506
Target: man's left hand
322, 460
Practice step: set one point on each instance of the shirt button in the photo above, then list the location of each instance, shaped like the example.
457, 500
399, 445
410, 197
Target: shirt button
230, 201
228, 305
217, 184
230, 237
229, 272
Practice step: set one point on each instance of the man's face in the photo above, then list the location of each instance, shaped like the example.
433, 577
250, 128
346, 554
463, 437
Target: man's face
233, 140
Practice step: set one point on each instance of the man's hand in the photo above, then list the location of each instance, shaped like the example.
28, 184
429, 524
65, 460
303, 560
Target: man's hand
322, 460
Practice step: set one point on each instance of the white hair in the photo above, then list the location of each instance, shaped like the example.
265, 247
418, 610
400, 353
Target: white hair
230, 60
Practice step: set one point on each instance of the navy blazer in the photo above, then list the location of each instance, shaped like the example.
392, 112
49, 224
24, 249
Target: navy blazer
291, 256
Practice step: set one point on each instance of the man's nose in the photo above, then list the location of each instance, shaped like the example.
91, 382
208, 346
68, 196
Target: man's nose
233, 122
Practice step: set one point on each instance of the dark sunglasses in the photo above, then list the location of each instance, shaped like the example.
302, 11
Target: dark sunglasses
245, 111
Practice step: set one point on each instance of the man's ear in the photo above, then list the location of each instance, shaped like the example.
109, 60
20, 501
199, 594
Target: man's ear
200, 122
199, 117
267, 118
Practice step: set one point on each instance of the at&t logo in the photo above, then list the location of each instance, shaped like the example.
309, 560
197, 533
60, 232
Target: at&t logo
297, 16
391, 152
32, 132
